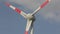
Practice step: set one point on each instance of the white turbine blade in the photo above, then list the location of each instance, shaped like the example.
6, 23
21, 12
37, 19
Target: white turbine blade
29, 23
32, 31
17, 10
45, 3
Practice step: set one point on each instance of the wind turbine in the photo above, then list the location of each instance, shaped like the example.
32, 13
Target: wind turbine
30, 16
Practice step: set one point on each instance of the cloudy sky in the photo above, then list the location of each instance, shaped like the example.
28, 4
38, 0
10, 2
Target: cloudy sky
47, 19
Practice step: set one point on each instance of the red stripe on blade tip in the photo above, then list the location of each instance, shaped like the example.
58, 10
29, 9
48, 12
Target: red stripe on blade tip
44, 3
7, 3
26, 32
17, 10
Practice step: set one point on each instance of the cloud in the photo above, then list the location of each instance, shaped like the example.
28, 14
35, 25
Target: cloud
51, 11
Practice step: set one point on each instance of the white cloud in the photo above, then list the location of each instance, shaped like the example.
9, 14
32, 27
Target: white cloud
53, 11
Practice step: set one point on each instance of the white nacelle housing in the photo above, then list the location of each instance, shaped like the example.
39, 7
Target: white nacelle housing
29, 16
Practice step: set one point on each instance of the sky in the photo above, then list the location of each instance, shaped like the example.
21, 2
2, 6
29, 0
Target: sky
47, 19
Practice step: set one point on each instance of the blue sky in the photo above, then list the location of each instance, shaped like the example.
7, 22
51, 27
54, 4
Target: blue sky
47, 19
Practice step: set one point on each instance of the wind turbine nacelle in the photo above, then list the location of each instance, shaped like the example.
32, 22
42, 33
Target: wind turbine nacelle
29, 16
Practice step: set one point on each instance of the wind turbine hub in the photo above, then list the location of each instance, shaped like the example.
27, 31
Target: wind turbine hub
29, 16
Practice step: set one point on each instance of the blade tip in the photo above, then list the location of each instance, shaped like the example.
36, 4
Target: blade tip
26, 32
49, 0
7, 3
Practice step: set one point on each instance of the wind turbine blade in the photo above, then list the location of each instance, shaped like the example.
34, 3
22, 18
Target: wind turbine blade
45, 3
17, 10
32, 31
29, 23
